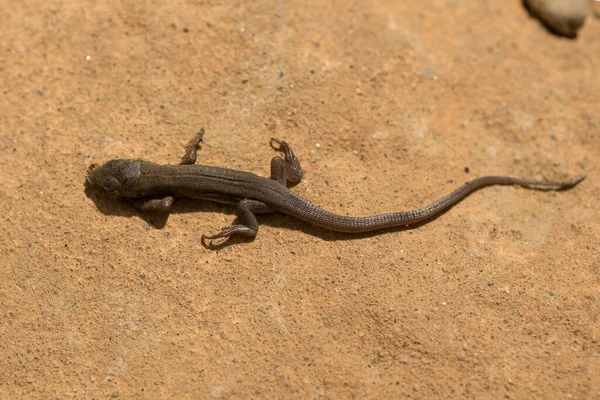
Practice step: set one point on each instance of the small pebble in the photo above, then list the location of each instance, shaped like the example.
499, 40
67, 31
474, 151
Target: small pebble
564, 17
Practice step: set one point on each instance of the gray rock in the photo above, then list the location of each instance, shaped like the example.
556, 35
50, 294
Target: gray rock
564, 17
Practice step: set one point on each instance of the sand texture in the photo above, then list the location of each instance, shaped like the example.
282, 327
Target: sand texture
389, 105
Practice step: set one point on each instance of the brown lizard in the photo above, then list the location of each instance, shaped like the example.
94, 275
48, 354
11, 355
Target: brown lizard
155, 187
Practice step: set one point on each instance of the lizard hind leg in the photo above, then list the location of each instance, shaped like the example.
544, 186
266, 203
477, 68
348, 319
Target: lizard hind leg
285, 169
248, 226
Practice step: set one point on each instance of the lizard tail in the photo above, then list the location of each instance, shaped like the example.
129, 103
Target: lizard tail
305, 210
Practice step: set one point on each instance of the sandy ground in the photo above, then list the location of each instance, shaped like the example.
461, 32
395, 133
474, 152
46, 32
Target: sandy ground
386, 104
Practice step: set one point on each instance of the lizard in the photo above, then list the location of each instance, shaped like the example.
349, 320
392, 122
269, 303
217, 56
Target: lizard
154, 187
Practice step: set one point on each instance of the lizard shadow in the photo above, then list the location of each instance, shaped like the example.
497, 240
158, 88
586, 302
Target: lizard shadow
112, 205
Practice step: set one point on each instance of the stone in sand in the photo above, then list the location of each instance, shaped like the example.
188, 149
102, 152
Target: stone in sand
564, 17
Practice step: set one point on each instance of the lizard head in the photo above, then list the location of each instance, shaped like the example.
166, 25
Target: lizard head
118, 177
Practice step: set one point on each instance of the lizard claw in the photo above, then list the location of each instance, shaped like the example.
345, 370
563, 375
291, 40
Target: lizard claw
279, 145
226, 232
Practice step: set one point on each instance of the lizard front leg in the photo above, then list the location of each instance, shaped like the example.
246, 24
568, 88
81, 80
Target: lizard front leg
164, 204
160, 205
191, 149
248, 226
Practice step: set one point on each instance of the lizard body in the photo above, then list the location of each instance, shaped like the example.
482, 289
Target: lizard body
154, 187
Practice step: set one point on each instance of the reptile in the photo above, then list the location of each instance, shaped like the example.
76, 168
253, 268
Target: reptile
154, 187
